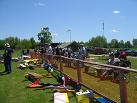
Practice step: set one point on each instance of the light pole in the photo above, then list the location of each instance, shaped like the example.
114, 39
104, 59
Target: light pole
69, 30
103, 27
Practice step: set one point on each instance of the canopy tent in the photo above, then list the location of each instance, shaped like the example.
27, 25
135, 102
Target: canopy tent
64, 45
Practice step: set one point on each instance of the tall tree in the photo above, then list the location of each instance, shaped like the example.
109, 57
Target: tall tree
99, 41
114, 43
26, 44
128, 44
33, 43
13, 41
2, 42
134, 43
45, 36
121, 44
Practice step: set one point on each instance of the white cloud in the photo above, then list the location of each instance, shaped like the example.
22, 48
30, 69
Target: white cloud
40, 4
116, 11
54, 34
115, 30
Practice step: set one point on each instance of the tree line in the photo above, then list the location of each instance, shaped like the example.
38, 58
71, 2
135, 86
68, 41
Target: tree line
101, 41
17, 43
44, 36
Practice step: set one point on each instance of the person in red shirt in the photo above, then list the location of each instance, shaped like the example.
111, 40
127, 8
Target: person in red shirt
122, 55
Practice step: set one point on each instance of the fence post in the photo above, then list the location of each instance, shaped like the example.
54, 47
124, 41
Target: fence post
51, 59
43, 55
60, 60
123, 87
79, 71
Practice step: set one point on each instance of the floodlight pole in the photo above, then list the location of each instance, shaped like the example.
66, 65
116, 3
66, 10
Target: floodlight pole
103, 27
70, 35
69, 30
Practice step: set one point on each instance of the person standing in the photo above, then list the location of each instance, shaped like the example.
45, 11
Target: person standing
7, 58
82, 52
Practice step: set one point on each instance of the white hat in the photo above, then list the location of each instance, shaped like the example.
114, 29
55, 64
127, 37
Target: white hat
7, 45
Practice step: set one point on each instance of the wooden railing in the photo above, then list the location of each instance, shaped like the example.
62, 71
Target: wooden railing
121, 70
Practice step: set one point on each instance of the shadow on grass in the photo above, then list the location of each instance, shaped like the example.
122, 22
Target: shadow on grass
52, 100
3, 73
25, 80
91, 74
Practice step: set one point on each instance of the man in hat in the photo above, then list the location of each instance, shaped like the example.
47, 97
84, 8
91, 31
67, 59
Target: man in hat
7, 58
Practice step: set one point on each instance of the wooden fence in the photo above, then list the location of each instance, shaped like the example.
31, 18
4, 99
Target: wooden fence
58, 61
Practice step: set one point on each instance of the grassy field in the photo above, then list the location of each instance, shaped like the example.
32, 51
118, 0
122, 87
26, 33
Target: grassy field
13, 88
103, 59
114, 94
106, 87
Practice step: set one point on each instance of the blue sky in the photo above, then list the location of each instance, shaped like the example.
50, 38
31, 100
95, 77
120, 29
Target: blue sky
25, 18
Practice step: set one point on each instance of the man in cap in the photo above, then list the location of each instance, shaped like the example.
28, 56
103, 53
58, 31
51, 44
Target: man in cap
7, 58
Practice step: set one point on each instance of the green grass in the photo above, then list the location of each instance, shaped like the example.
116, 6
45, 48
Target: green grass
105, 87
103, 59
131, 78
133, 62
13, 88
